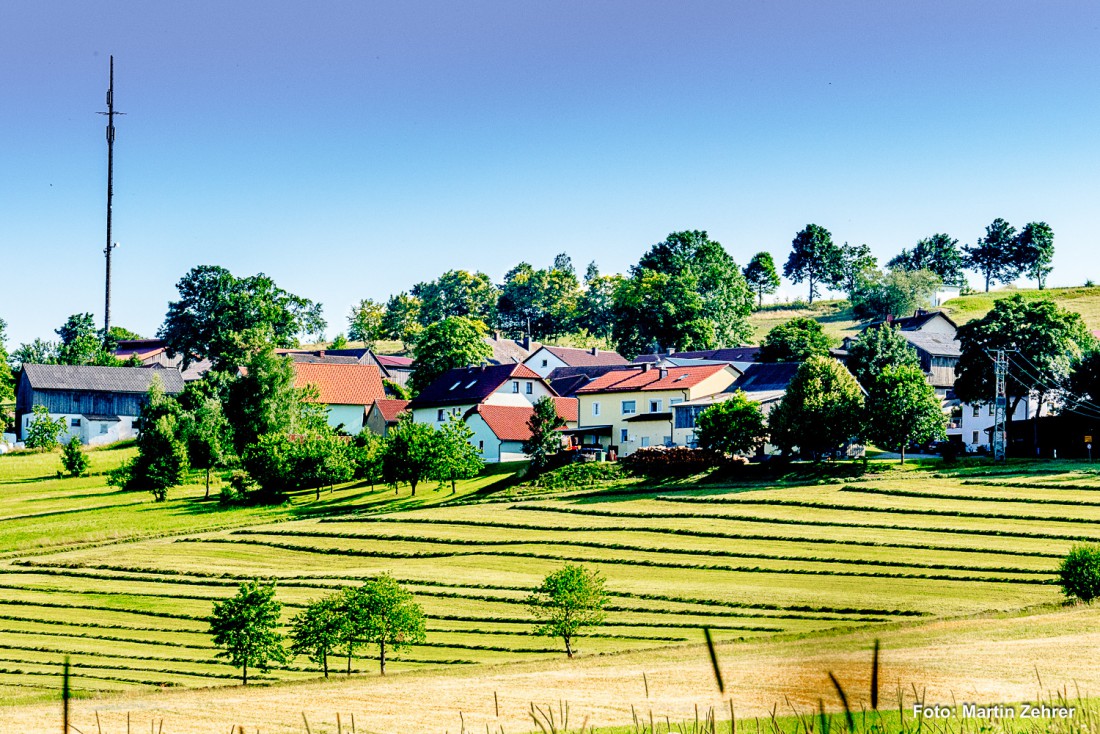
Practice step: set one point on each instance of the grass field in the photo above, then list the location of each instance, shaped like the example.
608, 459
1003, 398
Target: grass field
123, 585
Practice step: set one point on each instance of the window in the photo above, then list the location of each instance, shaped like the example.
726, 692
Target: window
102, 428
991, 408
975, 437
977, 410
686, 416
75, 423
455, 386
481, 446
630, 407
545, 363
595, 409
515, 386
655, 406
623, 436
675, 401
645, 442
530, 388
439, 415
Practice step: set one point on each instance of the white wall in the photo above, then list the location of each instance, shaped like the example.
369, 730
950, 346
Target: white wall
535, 362
484, 439
351, 416
431, 415
980, 424
507, 395
90, 433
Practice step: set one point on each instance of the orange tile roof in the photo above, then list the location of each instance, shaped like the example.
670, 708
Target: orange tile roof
509, 422
676, 378
568, 408
341, 384
390, 409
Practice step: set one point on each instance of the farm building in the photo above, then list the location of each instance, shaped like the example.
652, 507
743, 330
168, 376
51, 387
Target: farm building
100, 405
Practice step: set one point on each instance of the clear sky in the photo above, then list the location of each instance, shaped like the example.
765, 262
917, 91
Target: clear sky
351, 149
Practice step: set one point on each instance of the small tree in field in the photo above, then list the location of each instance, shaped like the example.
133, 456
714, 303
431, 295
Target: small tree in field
246, 628
545, 439
74, 459
43, 431
455, 457
734, 426
902, 408
568, 601
1079, 574
407, 456
383, 613
317, 630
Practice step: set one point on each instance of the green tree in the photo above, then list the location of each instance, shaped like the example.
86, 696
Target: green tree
858, 266
686, 293
457, 293
455, 457
321, 459
1084, 380
822, 410
208, 437
545, 438
1043, 341
383, 613
453, 342
365, 322
1035, 251
815, 258
365, 452
732, 426
74, 459
338, 342
876, 349
43, 431
902, 408
408, 453
795, 340
161, 462
402, 318
37, 352
539, 303
317, 630
567, 602
270, 462
995, 255
7, 379
224, 318
938, 254
263, 400
1079, 572
82, 344
895, 293
761, 275
246, 627
596, 311
122, 334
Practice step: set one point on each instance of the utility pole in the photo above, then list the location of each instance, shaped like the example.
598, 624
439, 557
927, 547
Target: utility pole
1000, 405
110, 113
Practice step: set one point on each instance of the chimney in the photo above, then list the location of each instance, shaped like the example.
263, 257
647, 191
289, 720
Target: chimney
664, 372
496, 335
594, 351
321, 354
526, 342
646, 366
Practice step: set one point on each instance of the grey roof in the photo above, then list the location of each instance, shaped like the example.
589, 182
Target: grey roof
314, 358
765, 377
510, 351
100, 379
938, 345
727, 355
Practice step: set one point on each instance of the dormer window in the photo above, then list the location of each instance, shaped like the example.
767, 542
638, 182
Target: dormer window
455, 386
472, 383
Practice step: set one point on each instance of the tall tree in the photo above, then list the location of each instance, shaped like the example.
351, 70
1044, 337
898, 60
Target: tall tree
455, 456
246, 627
685, 292
994, 255
938, 254
545, 439
263, 400
408, 454
36, 352
224, 318
815, 258
7, 379
876, 349
161, 462
453, 342
387, 615
795, 340
457, 293
208, 437
1035, 251
81, 343
538, 303
401, 321
567, 602
821, 411
596, 311
761, 276
902, 409
317, 630
365, 322
858, 266
733, 426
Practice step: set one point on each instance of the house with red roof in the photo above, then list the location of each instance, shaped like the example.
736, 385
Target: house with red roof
546, 359
382, 416
346, 390
500, 430
629, 409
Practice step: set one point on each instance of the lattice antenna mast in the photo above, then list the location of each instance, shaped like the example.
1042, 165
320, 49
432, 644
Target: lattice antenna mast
1000, 405
110, 113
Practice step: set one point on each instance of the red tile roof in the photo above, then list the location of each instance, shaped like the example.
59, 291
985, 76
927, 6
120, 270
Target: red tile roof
675, 378
341, 384
568, 408
390, 409
509, 422
574, 357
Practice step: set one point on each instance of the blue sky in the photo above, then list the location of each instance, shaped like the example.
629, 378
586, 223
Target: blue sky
351, 149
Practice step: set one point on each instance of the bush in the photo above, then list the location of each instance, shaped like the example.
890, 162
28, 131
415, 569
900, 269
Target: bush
677, 461
74, 459
43, 432
1079, 574
585, 474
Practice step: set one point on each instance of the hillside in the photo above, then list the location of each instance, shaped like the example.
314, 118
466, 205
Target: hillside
838, 320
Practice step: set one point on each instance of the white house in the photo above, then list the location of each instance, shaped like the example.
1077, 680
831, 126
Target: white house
500, 430
458, 390
346, 390
546, 359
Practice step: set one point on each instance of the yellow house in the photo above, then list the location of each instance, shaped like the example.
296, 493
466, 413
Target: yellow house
634, 406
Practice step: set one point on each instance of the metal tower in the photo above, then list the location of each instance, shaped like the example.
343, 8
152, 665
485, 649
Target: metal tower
1000, 405
110, 113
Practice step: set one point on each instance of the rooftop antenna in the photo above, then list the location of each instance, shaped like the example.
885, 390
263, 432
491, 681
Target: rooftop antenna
110, 113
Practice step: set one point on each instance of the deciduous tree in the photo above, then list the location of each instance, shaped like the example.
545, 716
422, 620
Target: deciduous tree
43, 431
938, 254
545, 438
567, 602
317, 630
858, 266
457, 293
1035, 251
895, 293
815, 258
74, 459
365, 322
402, 318
455, 457
407, 456
385, 614
995, 255
761, 275
876, 349
453, 342
732, 426
795, 340
246, 628
822, 410
902, 409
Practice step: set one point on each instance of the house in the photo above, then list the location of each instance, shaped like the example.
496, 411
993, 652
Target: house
975, 423
632, 408
546, 359
567, 380
99, 405
382, 416
347, 390
739, 357
500, 430
399, 369
764, 383
154, 353
458, 390
510, 351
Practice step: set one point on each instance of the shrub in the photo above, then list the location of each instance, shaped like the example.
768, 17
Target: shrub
43, 431
74, 459
658, 461
584, 474
1079, 574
